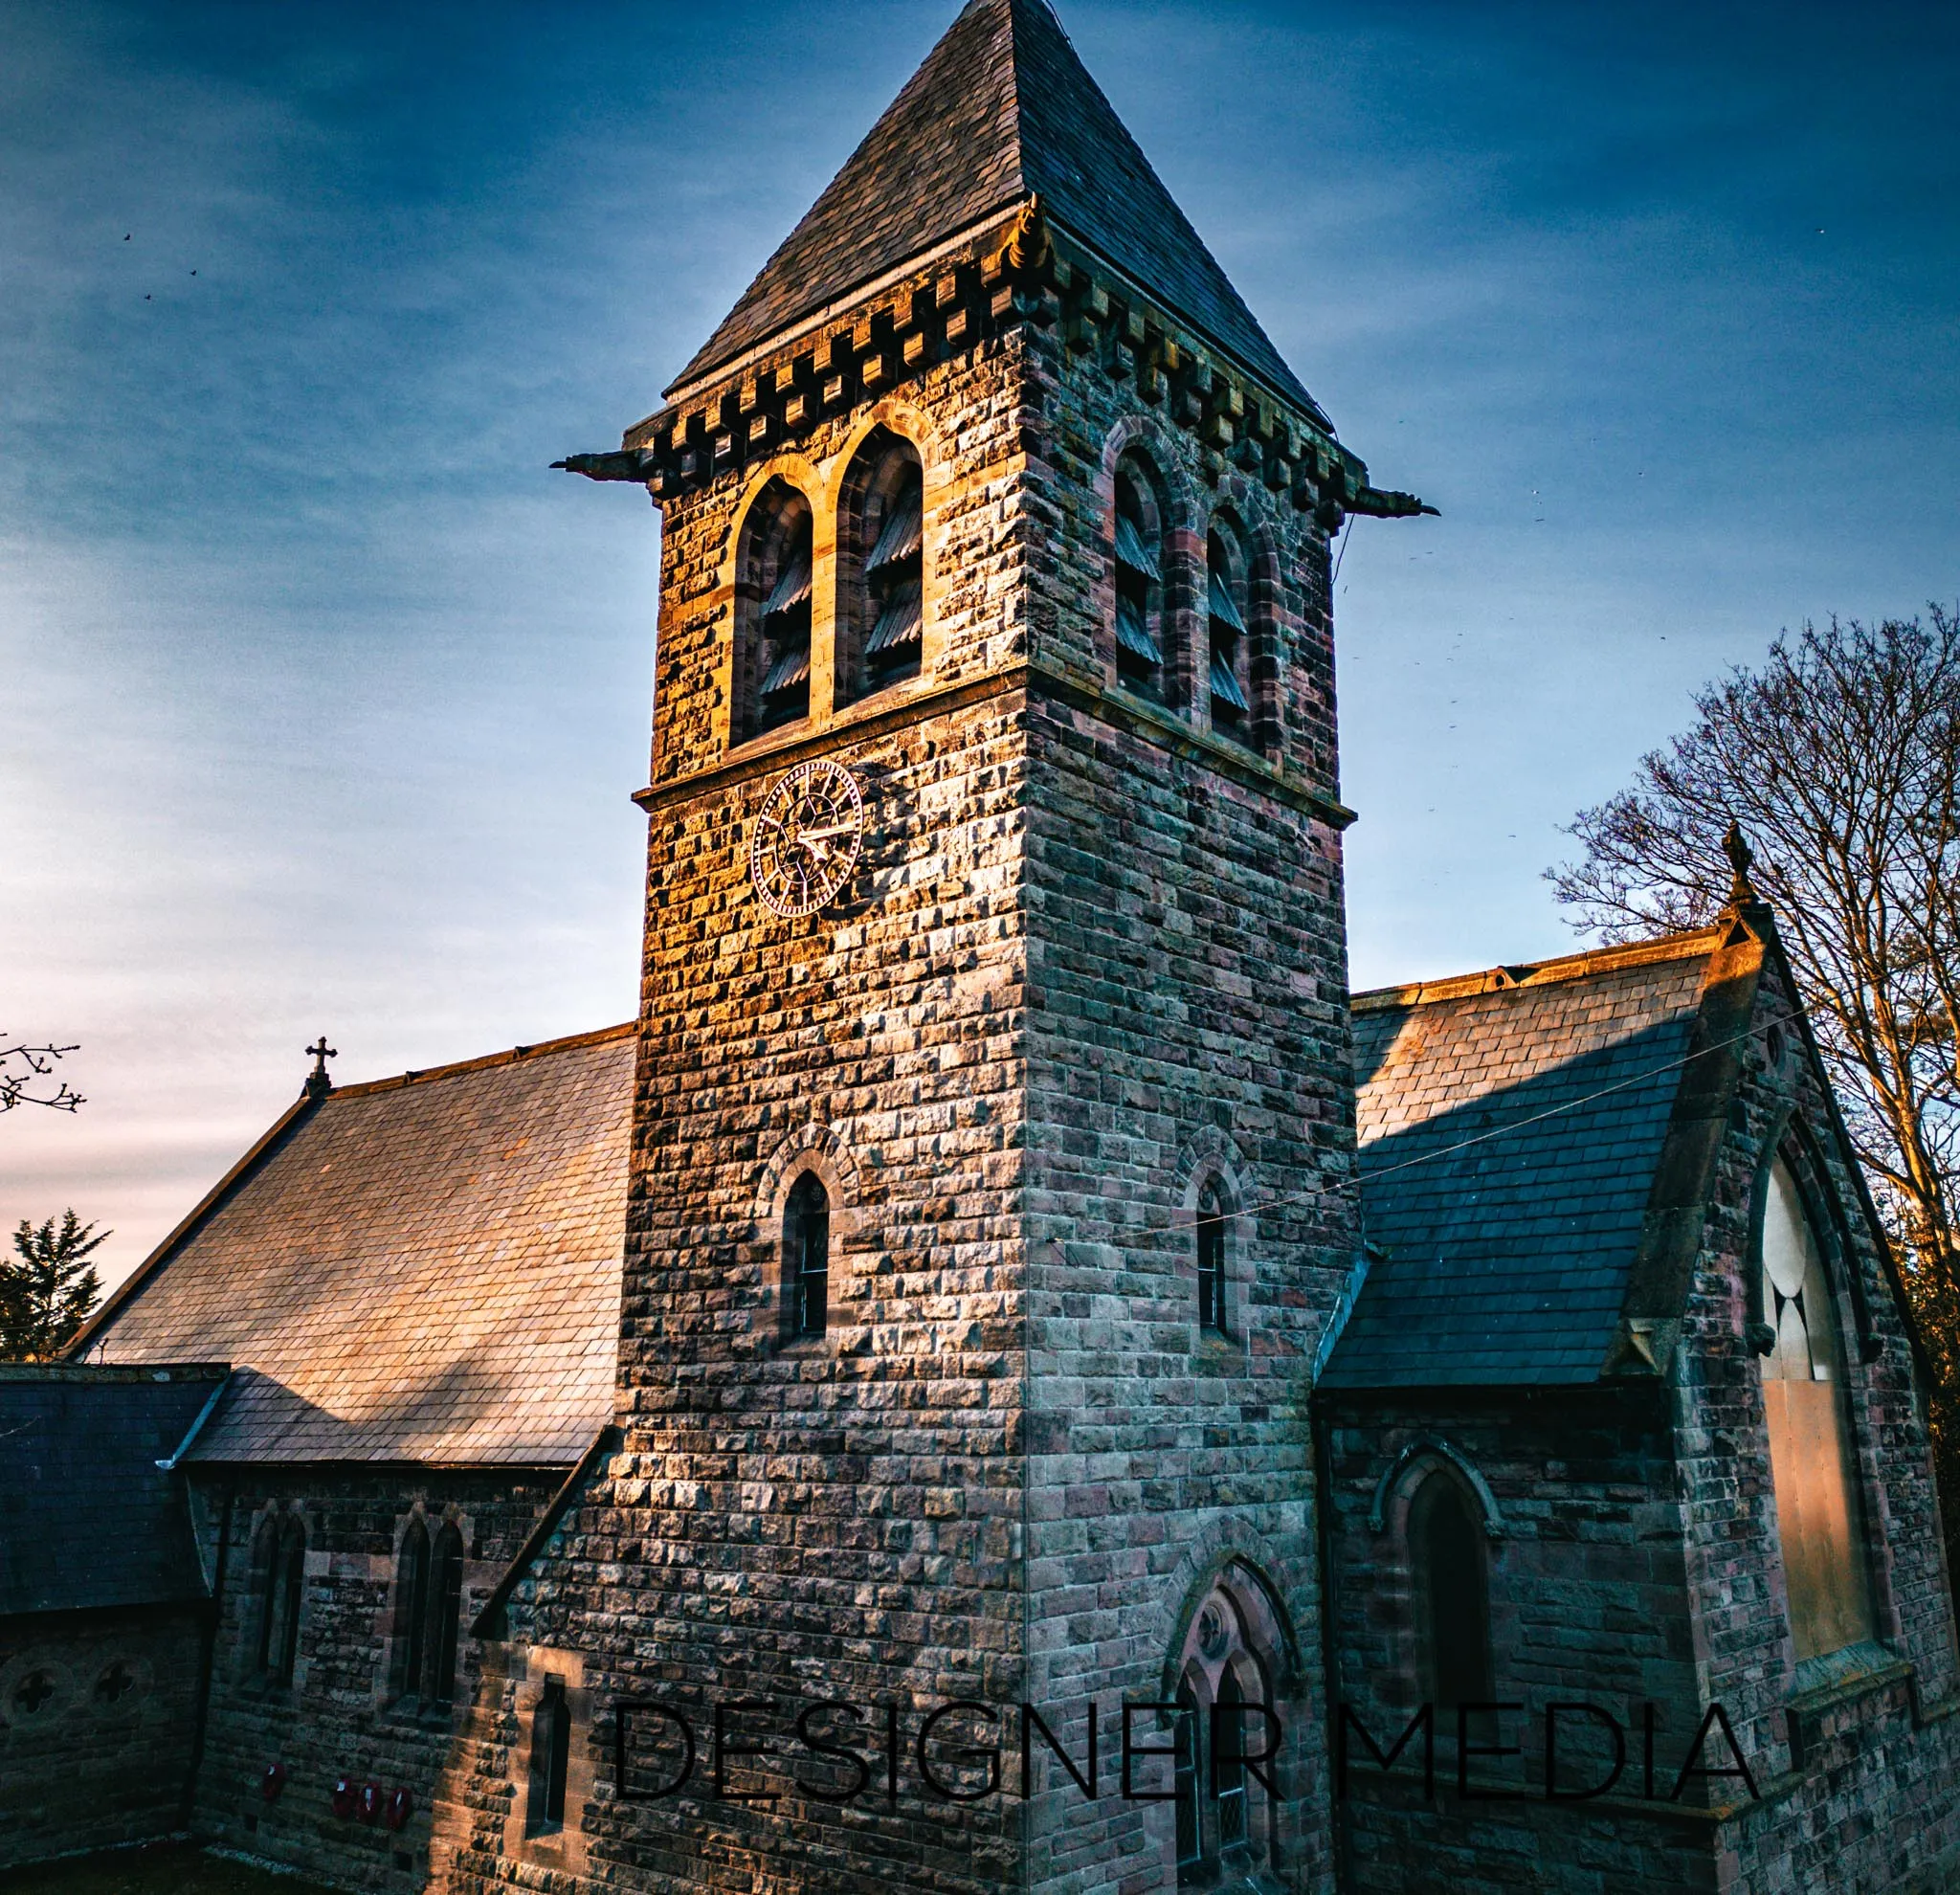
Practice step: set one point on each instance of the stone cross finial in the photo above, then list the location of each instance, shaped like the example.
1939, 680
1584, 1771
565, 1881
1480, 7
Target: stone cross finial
1735, 846
318, 1084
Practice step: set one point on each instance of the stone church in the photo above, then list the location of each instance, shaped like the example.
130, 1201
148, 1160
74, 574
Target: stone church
1007, 1376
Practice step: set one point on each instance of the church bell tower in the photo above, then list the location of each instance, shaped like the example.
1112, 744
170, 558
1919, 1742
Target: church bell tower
993, 1179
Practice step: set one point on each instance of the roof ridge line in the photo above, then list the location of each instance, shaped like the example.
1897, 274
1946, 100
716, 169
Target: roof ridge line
1505, 978
510, 1055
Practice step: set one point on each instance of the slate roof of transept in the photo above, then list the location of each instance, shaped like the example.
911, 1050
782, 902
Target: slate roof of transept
1001, 108
87, 1518
1511, 1125
418, 1269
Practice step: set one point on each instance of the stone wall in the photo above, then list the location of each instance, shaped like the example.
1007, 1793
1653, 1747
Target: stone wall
98, 1729
339, 1718
1092, 952
1639, 1563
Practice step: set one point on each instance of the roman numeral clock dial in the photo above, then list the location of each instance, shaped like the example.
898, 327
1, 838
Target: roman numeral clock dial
806, 836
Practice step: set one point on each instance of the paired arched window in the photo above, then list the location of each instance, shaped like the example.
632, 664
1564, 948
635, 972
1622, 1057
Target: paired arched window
1810, 1463
806, 1256
428, 1608
1211, 1261
1140, 619
1229, 643
1447, 1549
1222, 1778
772, 592
281, 1568
881, 547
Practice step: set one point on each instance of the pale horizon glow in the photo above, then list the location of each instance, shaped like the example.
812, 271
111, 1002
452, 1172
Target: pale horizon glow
328, 697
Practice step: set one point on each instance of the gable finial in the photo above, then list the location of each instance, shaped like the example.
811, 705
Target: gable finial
1741, 858
318, 1084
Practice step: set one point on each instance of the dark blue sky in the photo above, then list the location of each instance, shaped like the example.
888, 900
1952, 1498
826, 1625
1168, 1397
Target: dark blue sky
326, 697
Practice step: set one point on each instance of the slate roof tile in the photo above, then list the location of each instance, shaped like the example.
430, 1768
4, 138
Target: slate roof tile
423, 1269
1507, 1258
1001, 107
87, 1518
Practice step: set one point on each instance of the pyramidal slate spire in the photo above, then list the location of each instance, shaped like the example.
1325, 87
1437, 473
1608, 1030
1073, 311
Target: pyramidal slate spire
1001, 109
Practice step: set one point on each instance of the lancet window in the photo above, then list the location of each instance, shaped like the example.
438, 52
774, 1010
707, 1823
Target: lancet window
1211, 1259
806, 1256
882, 541
1448, 1557
1139, 581
1810, 1461
282, 1587
551, 1761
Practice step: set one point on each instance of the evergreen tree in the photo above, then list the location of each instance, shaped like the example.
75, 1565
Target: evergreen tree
47, 1287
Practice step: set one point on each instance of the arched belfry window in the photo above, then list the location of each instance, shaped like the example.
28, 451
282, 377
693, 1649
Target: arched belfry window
1448, 1555
282, 1589
1225, 615
1211, 1261
1817, 1512
772, 612
1139, 581
882, 564
806, 1256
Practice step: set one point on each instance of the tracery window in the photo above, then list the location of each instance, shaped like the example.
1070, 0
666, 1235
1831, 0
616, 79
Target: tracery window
772, 590
1225, 614
1211, 1250
1225, 1814
1817, 1512
1139, 581
807, 1256
882, 543
1448, 1557
551, 1761
283, 1588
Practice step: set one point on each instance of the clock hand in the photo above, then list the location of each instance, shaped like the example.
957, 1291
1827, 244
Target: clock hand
836, 828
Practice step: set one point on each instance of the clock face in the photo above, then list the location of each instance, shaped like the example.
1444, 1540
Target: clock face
805, 839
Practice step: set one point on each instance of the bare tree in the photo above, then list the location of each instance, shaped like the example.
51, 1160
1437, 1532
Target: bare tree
1839, 757
22, 1066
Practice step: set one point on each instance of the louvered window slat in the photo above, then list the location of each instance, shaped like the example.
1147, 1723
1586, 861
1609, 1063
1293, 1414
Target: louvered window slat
790, 590
1133, 635
901, 536
898, 624
1131, 549
792, 667
1224, 685
1222, 606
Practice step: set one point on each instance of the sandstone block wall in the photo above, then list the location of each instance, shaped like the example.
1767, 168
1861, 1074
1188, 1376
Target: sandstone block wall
338, 1717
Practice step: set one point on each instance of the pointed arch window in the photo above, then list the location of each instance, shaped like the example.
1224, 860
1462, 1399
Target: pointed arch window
1448, 1557
1225, 615
1211, 1249
772, 594
551, 1761
1818, 1517
881, 537
282, 1593
806, 1256
1222, 1782
1139, 581
445, 1617
410, 1610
